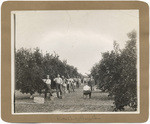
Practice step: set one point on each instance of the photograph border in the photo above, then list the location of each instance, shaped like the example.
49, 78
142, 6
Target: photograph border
9, 6
13, 48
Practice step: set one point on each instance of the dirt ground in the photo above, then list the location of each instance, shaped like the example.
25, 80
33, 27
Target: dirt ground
71, 102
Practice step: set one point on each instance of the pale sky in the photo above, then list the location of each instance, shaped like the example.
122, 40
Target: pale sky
78, 36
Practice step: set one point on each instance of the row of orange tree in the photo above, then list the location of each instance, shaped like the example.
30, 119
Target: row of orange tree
116, 73
33, 66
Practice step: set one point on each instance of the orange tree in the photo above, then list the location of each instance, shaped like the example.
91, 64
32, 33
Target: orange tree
32, 66
116, 73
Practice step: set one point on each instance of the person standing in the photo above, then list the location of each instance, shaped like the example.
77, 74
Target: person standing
48, 88
64, 85
79, 79
78, 82
91, 82
71, 84
58, 82
68, 86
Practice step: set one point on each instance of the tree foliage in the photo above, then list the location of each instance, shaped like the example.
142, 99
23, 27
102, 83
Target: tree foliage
32, 66
117, 73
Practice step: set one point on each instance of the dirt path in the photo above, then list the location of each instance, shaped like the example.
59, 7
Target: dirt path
72, 102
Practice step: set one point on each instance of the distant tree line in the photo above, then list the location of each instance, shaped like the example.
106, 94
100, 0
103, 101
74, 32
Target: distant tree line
116, 73
33, 66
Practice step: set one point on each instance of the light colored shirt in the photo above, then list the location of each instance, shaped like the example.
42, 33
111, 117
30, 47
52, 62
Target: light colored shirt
86, 88
48, 81
64, 81
58, 80
70, 81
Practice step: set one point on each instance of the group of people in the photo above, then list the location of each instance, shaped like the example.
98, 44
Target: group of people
63, 85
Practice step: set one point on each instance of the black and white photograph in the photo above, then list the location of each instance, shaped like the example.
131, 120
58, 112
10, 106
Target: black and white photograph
75, 62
